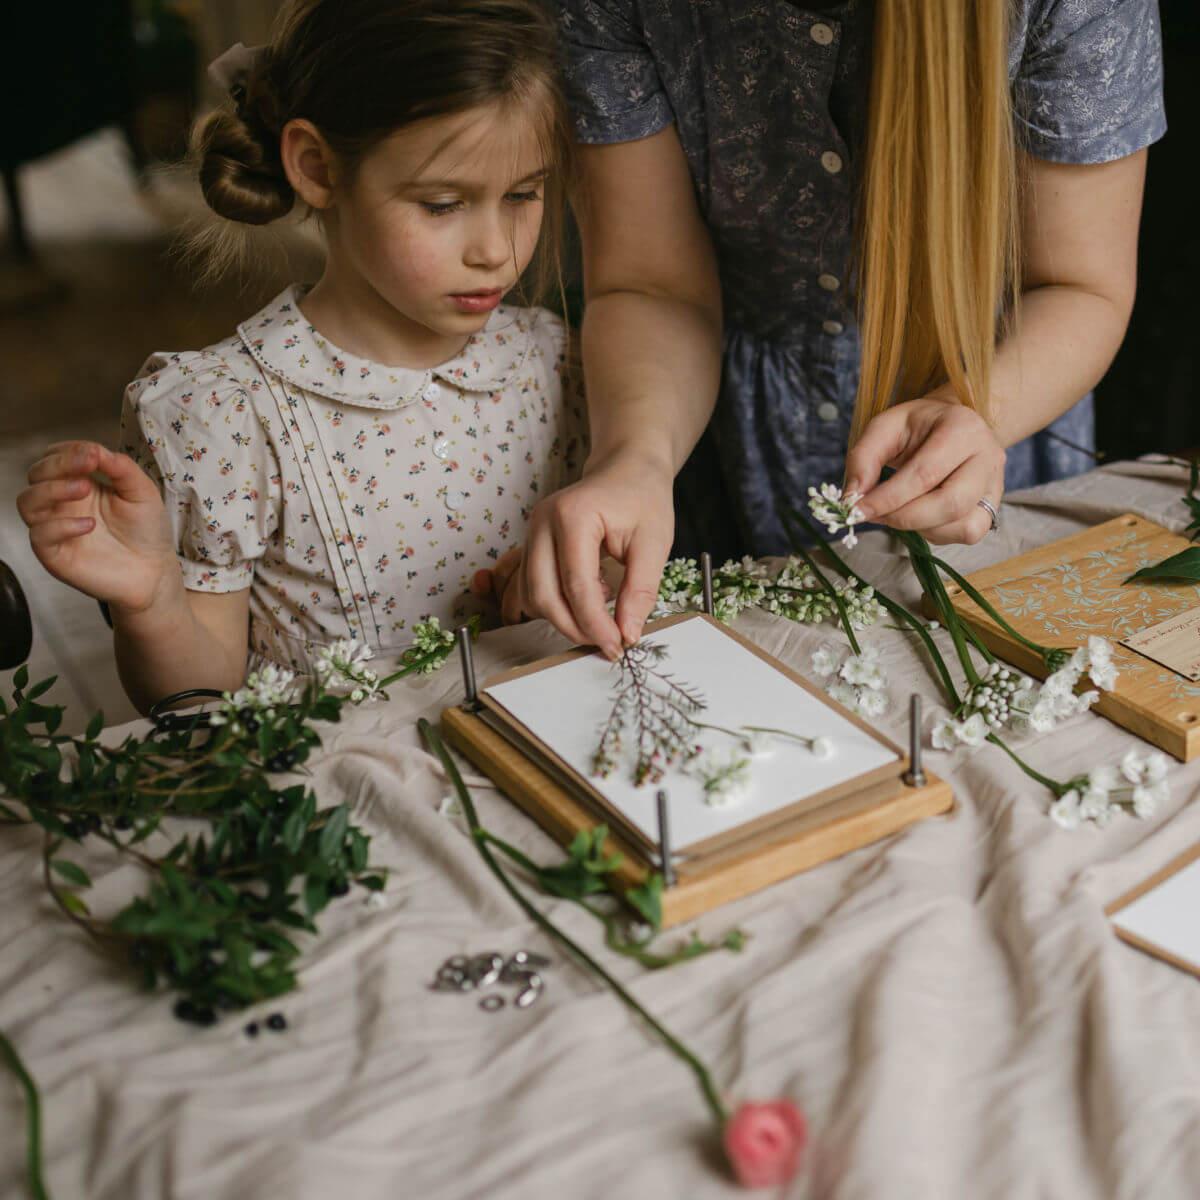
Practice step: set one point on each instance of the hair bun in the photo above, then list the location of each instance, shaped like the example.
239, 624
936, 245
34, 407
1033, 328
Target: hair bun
240, 175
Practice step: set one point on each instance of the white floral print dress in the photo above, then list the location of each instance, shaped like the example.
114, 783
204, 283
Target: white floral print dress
352, 499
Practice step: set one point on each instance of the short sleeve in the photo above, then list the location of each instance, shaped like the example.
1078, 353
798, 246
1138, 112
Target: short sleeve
189, 421
615, 91
1089, 85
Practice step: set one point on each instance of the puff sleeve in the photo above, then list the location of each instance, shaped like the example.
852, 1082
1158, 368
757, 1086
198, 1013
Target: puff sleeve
189, 420
1089, 85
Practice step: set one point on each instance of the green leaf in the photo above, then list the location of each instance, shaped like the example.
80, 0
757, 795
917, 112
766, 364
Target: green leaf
94, 726
70, 872
41, 687
1184, 565
21, 677
293, 831
373, 883
316, 895
647, 899
334, 833
74, 903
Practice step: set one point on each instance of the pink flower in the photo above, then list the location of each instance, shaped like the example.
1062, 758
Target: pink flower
764, 1143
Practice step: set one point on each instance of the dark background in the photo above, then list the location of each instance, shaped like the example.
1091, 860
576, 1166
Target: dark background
1149, 399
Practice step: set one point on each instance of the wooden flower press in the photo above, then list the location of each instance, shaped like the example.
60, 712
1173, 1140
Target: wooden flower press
561, 795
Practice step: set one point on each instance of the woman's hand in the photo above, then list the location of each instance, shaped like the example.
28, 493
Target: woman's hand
112, 542
947, 459
623, 508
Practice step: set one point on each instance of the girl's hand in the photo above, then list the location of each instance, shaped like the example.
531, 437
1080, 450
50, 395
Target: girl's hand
623, 508
111, 542
946, 457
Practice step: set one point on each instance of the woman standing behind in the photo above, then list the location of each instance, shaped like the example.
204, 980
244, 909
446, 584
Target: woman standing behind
802, 222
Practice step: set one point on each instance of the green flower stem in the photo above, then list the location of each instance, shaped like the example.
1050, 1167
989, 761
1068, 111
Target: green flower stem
974, 594
33, 1118
895, 608
843, 615
1057, 788
481, 839
931, 582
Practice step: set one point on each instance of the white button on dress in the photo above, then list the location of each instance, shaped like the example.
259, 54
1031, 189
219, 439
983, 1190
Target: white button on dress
830, 327
430, 394
455, 500
831, 161
821, 34
827, 410
830, 283
441, 448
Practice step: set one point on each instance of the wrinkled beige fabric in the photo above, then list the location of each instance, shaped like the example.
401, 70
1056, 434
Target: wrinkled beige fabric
949, 1007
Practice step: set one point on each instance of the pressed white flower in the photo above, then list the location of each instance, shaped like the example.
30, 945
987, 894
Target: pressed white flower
725, 778
1147, 799
1103, 778
822, 747
843, 693
1095, 805
757, 743
376, 900
872, 703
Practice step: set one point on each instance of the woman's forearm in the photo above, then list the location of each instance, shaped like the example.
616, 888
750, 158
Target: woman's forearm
653, 366
167, 648
1064, 341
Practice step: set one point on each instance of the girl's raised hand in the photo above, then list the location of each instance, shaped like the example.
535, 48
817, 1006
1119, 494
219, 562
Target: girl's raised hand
947, 459
110, 540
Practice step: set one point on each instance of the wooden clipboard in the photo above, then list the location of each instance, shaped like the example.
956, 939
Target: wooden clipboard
1177, 864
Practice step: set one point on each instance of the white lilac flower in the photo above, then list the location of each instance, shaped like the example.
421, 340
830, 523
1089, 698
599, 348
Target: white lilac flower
1064, 812
973, 731
264, 690
826, 659
724, 778
1146, 800
944, 735
343, 663
843, 693
872, 703
836, 511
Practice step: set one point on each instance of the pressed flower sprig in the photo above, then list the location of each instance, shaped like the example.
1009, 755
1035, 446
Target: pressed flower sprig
664, 716
763, 1142
996, 697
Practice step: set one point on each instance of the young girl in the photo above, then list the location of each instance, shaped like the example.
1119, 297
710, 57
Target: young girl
350, 459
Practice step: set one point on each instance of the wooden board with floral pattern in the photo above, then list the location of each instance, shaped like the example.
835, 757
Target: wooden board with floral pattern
1061, 593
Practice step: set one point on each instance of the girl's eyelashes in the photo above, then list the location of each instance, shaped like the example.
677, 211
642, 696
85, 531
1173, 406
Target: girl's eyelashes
439, 208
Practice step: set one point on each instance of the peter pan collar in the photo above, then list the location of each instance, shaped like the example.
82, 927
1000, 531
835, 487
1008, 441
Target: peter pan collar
284, 344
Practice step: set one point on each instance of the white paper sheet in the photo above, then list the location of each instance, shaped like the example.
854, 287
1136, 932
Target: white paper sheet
566, 706
1168, 916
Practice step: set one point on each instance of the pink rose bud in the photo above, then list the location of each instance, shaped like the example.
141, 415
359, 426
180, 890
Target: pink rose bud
765, 1142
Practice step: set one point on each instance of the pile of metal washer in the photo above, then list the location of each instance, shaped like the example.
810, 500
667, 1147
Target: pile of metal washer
475, 972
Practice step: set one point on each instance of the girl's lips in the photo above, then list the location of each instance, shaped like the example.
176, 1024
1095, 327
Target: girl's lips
477, 302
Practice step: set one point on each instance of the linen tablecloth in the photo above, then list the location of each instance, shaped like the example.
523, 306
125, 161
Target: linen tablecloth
950, 1006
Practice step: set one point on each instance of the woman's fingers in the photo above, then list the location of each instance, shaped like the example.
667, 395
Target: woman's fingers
956, 498
971, 529
925, 469
42, 500
81, 459
882, 443
541, 587
644, 561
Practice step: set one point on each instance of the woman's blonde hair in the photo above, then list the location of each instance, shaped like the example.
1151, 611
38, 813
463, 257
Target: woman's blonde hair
938, 245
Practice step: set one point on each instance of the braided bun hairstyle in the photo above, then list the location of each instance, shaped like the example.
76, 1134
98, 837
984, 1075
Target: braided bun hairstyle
237, 155
360, 70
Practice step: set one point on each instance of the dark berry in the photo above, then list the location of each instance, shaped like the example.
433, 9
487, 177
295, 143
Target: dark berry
339, 887
274, 763
75, 829
204, 1015
251, 724
185, 1010
141, 952
252, 1029
245, 714
123, 822
288, 758
92, 822
277, 1022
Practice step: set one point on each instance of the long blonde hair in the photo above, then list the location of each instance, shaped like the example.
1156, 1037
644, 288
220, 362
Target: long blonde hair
938, 245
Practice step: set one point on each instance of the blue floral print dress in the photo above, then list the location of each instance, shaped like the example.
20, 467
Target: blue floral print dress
769, 101
353, 499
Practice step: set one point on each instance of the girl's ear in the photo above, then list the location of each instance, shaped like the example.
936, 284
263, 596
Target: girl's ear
309, 162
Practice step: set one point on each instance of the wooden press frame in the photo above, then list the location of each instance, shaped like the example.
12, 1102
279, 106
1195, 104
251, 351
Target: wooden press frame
778, 845
1142, 705
1176, 864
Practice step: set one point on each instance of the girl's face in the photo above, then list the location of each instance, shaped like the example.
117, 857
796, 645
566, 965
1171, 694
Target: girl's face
441, 218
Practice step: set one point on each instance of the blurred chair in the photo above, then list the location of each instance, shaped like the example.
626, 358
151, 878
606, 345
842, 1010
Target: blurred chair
72, 74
